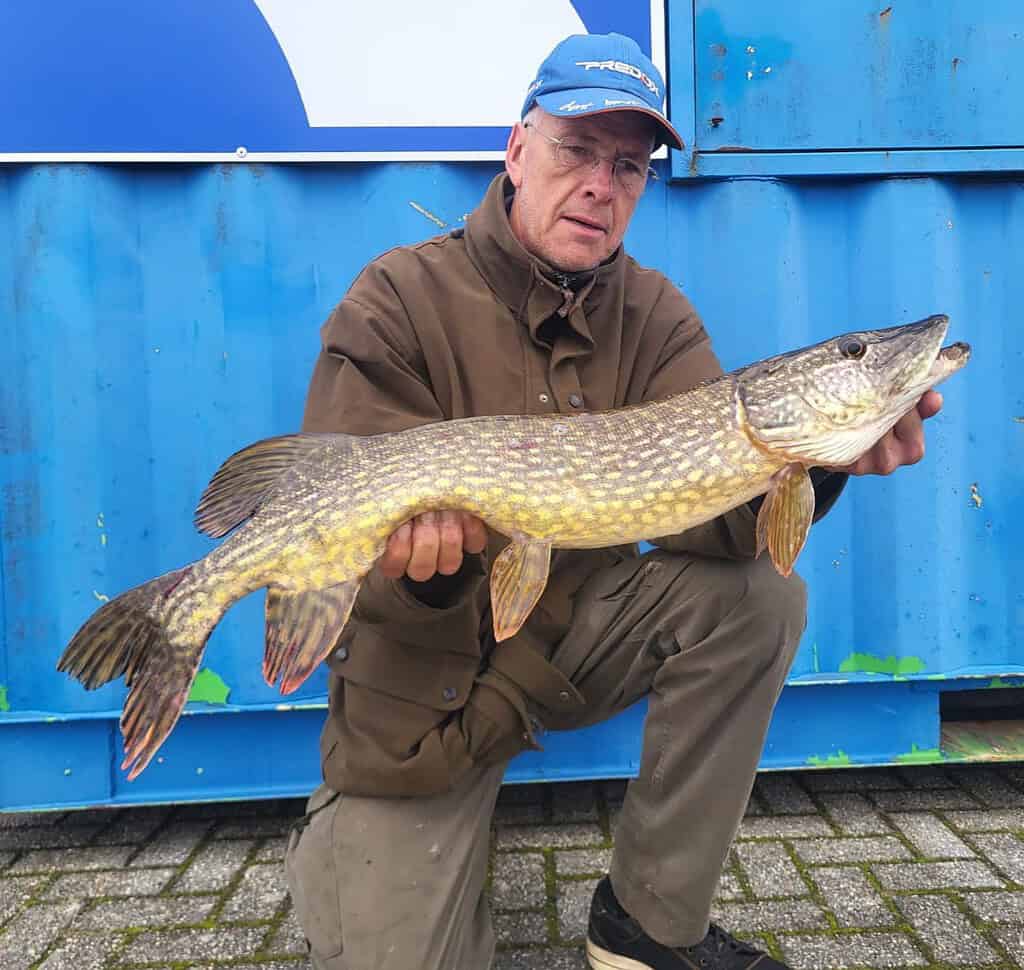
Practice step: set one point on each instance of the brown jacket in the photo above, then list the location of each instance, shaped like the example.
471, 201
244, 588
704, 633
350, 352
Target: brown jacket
467, 324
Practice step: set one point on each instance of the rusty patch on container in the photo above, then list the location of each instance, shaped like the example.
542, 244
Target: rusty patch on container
885, 14
733, 148
718, 50
956, 64
716, 121
983, 740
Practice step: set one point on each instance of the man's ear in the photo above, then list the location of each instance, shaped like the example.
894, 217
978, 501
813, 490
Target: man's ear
514, 154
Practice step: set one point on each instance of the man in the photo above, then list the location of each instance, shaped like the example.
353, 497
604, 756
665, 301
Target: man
536, 308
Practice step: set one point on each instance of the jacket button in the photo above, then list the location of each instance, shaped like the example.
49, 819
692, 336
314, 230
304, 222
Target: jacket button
575, 400
542, 397
341, 653
563, 696
449, 693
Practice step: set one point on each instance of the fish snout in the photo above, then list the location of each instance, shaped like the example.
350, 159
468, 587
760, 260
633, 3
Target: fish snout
950, 359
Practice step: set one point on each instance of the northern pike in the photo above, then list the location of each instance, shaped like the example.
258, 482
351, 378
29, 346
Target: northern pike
318, 508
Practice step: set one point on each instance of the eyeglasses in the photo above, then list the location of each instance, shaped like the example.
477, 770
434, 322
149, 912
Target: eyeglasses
630, 176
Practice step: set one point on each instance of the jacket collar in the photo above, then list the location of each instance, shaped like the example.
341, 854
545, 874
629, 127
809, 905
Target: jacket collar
528, 286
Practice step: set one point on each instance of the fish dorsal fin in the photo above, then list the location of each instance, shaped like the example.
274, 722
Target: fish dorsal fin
302, 629
785, 517
518, 578
243, 482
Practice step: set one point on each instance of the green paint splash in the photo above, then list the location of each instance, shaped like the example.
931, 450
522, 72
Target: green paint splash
999, 682
209, 687
920, 756
868, 663
830, 761
4, 706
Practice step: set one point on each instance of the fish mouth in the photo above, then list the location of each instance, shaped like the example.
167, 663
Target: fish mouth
929, 370
950, 359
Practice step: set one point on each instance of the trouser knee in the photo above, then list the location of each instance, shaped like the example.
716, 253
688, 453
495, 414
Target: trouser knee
780, 601
765, 613
776, 606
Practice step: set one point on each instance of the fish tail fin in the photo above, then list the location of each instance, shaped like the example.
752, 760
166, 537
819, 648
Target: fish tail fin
156, 648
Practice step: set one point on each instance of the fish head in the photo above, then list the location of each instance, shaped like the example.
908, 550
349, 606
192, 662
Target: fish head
829, 403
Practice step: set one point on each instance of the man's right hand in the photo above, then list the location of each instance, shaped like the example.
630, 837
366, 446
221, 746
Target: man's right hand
433, 542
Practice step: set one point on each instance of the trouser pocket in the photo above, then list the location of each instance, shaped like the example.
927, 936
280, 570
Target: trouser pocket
311, 871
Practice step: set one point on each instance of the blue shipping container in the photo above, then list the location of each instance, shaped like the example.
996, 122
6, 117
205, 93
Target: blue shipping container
158, 317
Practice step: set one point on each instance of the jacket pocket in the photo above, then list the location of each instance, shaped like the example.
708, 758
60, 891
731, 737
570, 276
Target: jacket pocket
436, 679
395, 702
494, 726
624, 580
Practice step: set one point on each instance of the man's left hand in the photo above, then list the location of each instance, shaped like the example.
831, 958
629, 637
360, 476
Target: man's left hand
902, 445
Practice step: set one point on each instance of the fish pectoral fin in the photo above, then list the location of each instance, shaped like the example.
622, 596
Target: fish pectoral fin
785, 517
302, 629
243, 482
518, 578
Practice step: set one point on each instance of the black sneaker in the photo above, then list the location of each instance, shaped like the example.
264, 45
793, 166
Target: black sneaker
616, 942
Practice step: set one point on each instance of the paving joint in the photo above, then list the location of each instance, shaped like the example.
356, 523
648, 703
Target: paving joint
831, 868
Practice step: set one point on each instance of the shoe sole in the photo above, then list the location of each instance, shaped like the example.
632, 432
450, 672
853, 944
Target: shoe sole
600, 959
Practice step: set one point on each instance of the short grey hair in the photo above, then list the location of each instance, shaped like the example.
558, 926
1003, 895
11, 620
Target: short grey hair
533, 115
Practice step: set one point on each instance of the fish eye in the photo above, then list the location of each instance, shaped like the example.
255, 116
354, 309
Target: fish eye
852, 347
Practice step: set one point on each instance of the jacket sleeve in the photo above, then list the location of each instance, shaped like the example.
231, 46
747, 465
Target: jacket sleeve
687, 359
369, 378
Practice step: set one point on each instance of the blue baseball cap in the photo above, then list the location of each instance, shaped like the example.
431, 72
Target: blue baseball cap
589, 74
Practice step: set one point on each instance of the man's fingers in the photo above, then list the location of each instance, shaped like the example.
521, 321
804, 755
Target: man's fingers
909, 438
396, 554
449, 554
433, 542
887, 455
474, 533
426, 541
929, 405
908, 427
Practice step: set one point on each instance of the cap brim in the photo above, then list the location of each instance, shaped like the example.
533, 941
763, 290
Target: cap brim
583, 102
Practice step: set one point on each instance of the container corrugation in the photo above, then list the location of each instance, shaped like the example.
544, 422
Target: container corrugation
157, 318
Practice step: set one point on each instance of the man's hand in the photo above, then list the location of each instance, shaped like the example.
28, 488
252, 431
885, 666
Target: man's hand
903, 445
433, 542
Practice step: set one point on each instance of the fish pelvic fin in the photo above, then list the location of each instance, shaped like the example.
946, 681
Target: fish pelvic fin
243, 482
156, 650
785, 517
302, 629
518, 577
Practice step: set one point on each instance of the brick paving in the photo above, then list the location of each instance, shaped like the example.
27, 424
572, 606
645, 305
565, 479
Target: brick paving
899, 867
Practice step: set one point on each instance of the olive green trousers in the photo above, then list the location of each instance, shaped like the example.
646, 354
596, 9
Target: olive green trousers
394, 883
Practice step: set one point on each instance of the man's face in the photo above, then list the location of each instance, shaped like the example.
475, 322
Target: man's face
574, 219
